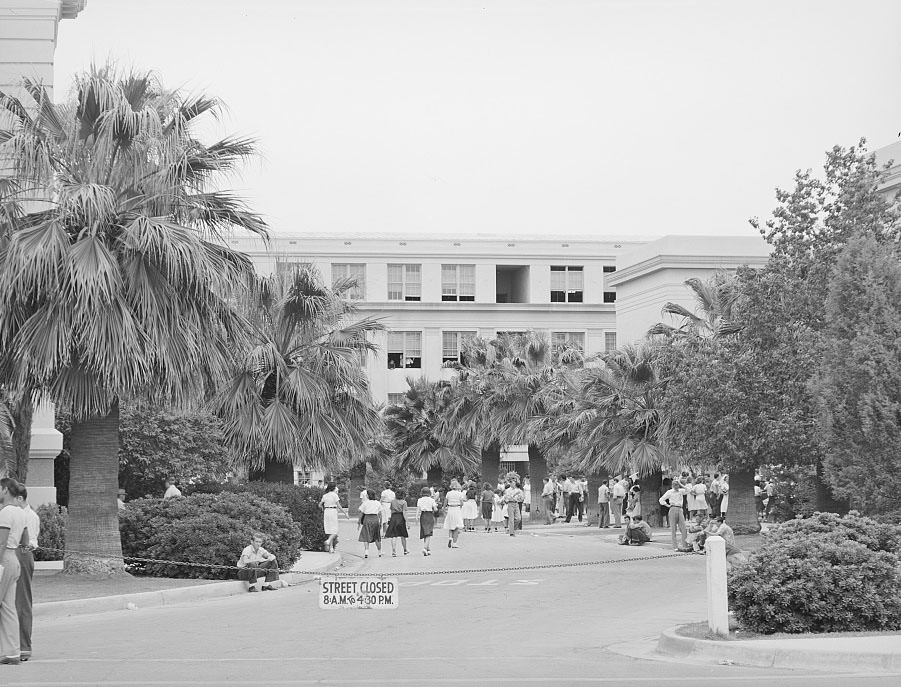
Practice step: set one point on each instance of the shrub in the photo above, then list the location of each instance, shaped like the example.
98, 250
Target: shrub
205, 528
821, 574
53, 532
301, 502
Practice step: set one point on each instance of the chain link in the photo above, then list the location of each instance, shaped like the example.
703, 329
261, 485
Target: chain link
399, 573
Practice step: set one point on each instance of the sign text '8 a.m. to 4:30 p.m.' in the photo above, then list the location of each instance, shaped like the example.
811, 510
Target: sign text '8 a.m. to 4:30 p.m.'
363, 592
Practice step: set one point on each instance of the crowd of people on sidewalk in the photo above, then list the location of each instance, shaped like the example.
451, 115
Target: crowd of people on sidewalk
20, 528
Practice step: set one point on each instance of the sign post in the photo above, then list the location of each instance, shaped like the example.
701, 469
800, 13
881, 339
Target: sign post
717, 593
358, 592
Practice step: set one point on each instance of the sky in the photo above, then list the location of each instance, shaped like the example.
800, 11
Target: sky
611, 118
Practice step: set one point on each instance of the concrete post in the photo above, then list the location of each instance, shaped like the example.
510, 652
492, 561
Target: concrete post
717, 596
46, 443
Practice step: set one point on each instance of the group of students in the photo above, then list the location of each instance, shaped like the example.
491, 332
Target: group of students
384, 517
20, 527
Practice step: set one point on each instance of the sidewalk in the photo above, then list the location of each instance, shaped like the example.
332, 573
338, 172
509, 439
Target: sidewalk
876, 653
311, 563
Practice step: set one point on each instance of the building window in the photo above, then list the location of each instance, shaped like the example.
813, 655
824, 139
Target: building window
357, 272
404, 350
283, 266
572, 339
566, 284
458, 282
303, 478
404, 282
609, 341
396, 399
609, 268
452, 346
610, 296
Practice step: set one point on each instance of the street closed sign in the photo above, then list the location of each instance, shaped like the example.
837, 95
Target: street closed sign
361, 592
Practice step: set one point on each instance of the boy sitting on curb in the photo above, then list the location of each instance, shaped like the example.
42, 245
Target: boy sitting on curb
256, 563
637, 531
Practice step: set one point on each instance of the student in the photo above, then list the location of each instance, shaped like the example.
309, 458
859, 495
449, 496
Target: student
513, 497
330, 504
257, 563
13, 531
696, 533
674, 499
616, 503
487, 501
26, 565
386, 498
637, 531
171, 490
453, 521
604, 505
397, 524
426, 508
498, 510
370, 524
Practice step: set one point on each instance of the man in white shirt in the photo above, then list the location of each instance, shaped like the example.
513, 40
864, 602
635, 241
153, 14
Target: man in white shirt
576, 505
26, 564
567, 492
604, 505
616, 503
171, 490
547, 500
13, 532
255, 563
674, 499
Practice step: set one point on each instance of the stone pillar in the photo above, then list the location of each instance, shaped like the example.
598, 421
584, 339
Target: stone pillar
46, 444
717, 596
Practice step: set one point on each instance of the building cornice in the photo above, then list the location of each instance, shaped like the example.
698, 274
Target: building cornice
663, 262
69, 9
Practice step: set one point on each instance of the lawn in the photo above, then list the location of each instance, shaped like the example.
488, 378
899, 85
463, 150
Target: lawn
54, 586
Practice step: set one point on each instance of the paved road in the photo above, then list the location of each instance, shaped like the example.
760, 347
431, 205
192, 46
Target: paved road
459, 628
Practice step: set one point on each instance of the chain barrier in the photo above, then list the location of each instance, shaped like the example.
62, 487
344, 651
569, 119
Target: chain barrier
398, 573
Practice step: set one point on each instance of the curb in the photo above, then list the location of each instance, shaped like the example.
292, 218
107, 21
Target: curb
775, 654
168, 597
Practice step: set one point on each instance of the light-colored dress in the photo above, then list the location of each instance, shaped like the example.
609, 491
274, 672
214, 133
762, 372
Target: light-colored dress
724, 504
471, 509
330, 503
454, 502
497, 511
699, 491
385, 500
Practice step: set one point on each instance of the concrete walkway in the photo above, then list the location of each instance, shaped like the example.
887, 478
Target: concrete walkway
310, 564
865, 654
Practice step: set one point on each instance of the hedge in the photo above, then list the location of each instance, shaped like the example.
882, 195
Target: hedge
821, 574
53, 532
205, 528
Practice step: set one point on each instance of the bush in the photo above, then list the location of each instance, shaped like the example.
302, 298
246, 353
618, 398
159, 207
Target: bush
53, 532
205, 528
821, 574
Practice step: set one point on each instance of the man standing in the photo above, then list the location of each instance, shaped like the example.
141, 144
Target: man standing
513, 497
26, 565
674, 499
12, 533
604, 505
716, 494
547, 499
575, 500
616, 503
567, 491
171, 490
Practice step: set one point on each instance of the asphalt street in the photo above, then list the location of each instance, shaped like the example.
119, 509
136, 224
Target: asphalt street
455, 624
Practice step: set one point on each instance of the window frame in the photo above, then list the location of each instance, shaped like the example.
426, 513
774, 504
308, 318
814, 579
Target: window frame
404, 359
410, 289
561, 339
569, 293
460, 336
357, 293
457, 283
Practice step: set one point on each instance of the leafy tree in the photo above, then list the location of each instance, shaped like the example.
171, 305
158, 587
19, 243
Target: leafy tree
155, 444
858, 386
115, 278
298, 395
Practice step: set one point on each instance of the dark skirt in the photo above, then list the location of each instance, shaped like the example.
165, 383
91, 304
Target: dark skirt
397, 526
487, 507
371, 530
426, 524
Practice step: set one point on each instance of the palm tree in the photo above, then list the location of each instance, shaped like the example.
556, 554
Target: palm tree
115, 276
609, 418
511, 376
297, 395
420, 431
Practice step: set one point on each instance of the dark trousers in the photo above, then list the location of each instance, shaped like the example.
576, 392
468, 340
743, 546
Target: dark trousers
636, 536
604, 514
250, 573
23, 597
575, 506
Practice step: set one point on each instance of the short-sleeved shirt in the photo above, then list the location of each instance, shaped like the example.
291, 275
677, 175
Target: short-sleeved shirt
248, 555
172, 492
603, 494
398, 506
426, 504
387, 496
369, 507
13, 518
330, 499
454, 498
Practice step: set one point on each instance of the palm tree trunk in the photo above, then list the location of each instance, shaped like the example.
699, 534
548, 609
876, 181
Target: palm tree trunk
357, 482
93, 524
650, 503
537, 473
435, 476
274, 471
491, 463
591, 499
742, 515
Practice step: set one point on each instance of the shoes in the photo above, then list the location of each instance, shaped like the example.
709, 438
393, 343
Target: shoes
268, 588
11, 660
455, 546
425, 553
449, 542
393, 554
24, 656
365, 555
406, 552
380, 554
252, 589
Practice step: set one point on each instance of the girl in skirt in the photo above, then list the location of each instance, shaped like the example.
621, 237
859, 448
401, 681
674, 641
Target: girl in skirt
370, 523
426, 508
497, 509
487, 505
471, 509
397, 523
